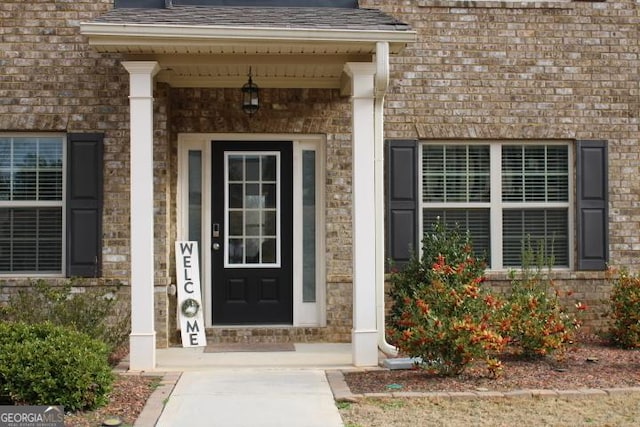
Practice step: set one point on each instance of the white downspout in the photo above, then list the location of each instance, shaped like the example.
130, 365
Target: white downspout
381, 85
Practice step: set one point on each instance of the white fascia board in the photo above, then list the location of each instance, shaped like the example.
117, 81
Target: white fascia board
109, 32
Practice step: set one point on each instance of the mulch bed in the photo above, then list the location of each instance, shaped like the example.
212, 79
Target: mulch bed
591, 364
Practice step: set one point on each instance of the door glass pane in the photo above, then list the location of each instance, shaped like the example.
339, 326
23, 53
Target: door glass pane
236, 222
253, 251
253, 223
269, 223
236, 251
236, 168
253, 198
269, 251
235, 195
309, 226
269, 192
252, 209
253, 168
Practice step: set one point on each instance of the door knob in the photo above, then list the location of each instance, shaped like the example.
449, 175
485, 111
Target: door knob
216, 246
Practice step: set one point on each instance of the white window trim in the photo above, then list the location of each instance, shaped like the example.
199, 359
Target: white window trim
304, 314
496, 206
62, 204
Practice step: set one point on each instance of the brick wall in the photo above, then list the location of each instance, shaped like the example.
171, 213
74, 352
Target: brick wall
529, 70
480, 70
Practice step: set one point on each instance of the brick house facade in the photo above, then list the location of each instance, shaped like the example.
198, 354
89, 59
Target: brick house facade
478, 73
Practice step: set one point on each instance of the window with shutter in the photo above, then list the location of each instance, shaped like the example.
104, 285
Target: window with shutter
510, 197
31, 204
50, 204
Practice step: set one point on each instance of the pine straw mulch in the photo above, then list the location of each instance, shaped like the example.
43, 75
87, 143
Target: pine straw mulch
128, 396
590, 363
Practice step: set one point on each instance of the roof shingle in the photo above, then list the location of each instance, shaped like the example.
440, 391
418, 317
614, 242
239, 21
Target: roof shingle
263, 17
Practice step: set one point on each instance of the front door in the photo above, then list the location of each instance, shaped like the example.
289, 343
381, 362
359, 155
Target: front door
252, 233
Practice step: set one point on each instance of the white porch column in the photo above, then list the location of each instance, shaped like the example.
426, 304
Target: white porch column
364, 337
142, 341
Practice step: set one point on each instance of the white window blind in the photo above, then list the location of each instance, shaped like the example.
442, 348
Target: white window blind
31, 203
510, 197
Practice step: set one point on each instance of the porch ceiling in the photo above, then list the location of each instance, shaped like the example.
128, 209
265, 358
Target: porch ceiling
269, 70
280, 54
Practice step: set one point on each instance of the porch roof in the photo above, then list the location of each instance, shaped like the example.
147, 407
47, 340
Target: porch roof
214, 46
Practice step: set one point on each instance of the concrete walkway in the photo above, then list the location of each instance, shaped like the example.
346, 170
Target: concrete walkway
252, 389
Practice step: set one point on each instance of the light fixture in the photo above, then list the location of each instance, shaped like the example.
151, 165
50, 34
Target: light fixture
250, 99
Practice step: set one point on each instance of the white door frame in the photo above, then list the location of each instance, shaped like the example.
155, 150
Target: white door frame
304, 314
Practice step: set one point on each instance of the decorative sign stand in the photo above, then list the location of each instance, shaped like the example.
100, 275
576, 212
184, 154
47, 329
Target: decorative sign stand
189, 295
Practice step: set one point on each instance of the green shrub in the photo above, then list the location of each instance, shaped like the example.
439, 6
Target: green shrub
533, 317
95, 312
44, 364
625, 309
440, 312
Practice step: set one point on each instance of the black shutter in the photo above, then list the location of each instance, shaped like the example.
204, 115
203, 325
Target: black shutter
84, 204
401, 197
592, 205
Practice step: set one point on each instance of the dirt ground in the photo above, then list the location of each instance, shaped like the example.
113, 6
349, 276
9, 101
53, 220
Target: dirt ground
588, 365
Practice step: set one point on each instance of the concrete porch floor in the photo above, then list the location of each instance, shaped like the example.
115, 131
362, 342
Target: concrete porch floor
306, 356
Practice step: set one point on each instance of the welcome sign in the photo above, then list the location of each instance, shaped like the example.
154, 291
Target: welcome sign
189, 295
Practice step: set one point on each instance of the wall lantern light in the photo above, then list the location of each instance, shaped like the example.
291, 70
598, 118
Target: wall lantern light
250, 99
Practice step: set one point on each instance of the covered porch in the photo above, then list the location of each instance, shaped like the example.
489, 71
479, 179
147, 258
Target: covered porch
334, 49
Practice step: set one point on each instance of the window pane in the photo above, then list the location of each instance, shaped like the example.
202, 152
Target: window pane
269, 168
252, 226
195, 196
235, 196
236, 251
535, 173
309, 226
544, 230
455, 173
252, 164
31, 170
253, 251
236, 168
473, 221
269, 223
31, 240
253, 198
236, 222
269, 251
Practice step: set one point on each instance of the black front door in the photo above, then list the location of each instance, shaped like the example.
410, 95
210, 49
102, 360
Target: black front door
252, 233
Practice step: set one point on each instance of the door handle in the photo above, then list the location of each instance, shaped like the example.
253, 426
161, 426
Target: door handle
216, 246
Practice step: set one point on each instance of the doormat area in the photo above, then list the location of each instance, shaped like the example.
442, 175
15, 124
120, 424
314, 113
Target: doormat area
248, 347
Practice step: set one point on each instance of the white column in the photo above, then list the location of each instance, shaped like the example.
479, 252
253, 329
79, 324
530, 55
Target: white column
142, 341
364, 337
